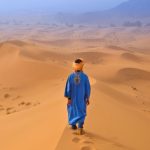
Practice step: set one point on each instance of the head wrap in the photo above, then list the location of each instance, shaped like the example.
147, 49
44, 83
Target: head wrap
78, 66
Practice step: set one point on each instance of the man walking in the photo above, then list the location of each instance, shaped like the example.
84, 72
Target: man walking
77, 91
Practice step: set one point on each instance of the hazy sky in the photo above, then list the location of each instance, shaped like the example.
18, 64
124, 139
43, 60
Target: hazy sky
59, 5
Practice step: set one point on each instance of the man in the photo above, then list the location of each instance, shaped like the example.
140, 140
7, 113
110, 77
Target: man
77, 91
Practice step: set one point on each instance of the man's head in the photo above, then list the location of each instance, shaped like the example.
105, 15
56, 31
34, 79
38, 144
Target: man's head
78, 64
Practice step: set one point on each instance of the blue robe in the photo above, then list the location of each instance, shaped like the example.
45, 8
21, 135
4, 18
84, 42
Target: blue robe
78, 90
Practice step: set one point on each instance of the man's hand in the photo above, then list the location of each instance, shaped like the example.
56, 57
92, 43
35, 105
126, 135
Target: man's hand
87, 102
69, 102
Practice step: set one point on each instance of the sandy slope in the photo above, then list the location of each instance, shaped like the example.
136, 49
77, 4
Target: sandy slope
110, 126
29, 102
118, 117
32, 79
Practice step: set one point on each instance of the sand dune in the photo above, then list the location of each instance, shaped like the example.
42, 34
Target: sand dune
126, 74
109, 129
24, 84
33, 72
113, 47
19, 71
14, 42
131, 57
43, 55
91, 57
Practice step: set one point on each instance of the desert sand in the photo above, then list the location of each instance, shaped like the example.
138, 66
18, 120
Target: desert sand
34, 65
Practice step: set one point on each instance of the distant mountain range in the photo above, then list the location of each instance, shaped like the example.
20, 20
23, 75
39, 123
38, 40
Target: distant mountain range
131, 10
129, 13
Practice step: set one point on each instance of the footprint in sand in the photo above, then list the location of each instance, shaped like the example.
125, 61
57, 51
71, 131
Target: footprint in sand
37, 103
87, 142
28, 104
6, 95
84, 142
76, 140
10, 110
17, 97
22, 103
87, 148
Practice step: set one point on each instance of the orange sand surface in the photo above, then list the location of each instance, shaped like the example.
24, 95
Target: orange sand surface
33, 71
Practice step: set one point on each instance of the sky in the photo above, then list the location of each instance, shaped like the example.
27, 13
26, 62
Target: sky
59, 5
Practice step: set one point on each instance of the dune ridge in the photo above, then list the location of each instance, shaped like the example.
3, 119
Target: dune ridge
131, 57
126, 74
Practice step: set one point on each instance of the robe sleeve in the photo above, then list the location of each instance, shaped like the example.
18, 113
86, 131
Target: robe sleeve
87, 89
67, 92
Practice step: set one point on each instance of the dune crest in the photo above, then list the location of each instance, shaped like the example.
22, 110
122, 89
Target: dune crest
14, 42
126, 74
131, 57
